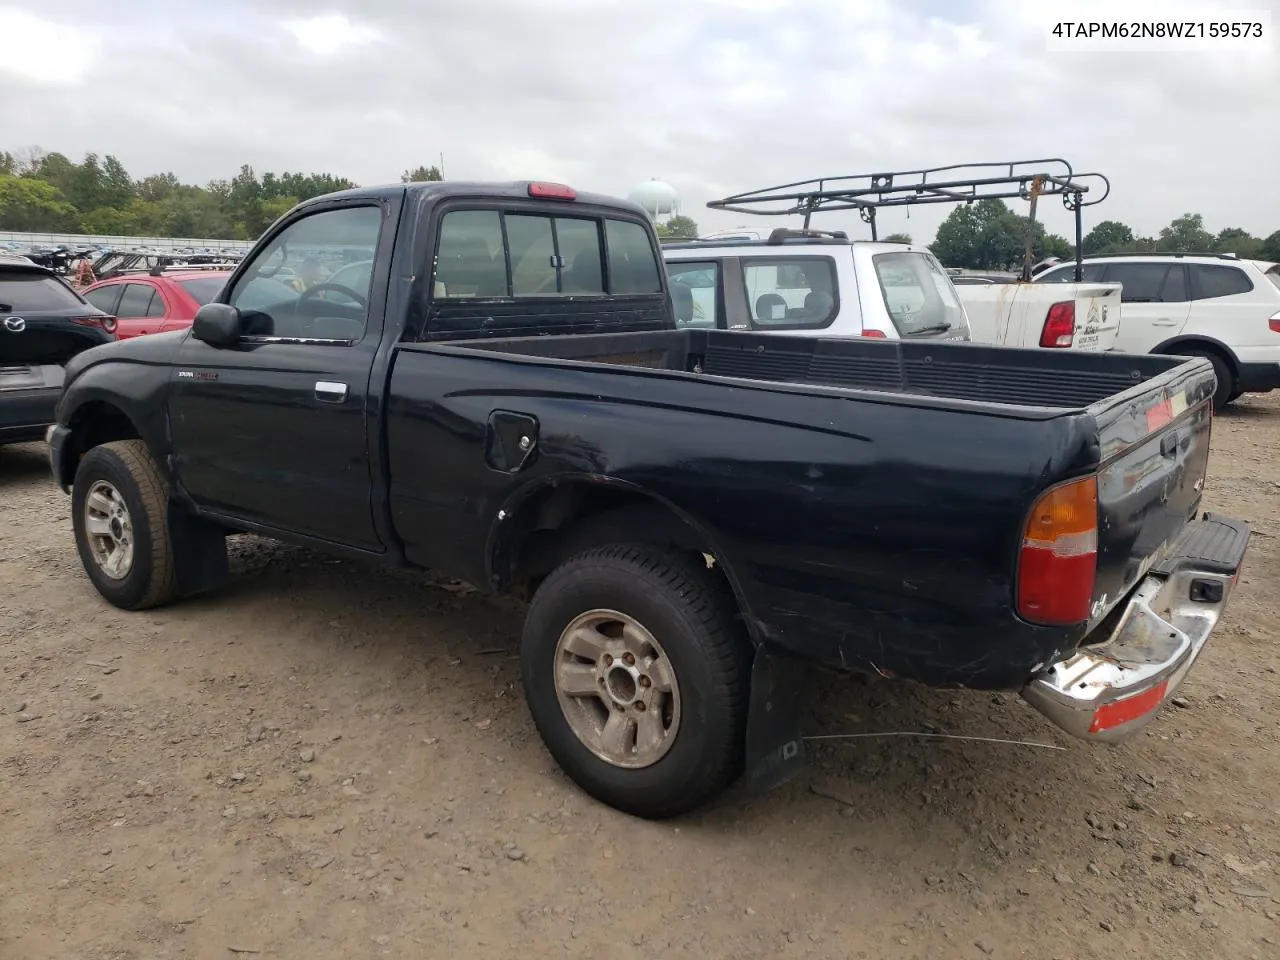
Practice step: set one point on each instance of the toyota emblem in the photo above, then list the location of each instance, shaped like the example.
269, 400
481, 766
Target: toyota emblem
15, 324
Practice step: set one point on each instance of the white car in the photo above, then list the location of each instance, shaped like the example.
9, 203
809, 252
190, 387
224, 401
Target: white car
1210, 305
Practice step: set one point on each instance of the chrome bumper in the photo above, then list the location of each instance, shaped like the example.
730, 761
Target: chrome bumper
1109, 691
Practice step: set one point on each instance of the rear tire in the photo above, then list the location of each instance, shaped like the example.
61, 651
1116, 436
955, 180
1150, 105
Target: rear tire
119, 510
1226, 391
636, 670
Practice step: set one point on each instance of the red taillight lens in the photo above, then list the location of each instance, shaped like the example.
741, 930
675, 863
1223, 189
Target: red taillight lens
874, 334
1059, 325
1274, 322
1059, 555
552, 191
102, 323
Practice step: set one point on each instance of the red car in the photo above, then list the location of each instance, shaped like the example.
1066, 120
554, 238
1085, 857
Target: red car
146, 303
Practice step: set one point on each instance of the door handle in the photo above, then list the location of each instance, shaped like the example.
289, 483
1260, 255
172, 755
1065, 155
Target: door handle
1163, 322
331, 391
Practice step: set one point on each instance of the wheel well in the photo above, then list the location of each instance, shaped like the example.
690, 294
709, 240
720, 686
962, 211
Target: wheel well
94, 424
1207, 346
561, 521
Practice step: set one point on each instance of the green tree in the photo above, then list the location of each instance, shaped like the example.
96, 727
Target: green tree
421, 175
28, 204
1238, 241
678, 226
1270, 248
898, 238
1187, 233
1109, 236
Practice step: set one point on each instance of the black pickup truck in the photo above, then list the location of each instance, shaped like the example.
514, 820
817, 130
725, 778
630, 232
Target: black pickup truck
490, 382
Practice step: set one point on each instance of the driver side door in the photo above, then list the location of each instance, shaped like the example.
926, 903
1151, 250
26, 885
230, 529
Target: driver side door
273, 429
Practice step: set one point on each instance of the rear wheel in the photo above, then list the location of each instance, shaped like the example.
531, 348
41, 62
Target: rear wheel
119, 509
1226, 392
636, 671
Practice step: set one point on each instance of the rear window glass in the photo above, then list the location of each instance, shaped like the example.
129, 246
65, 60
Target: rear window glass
633, 265
21, 290
917, 294
203, 289
1208, 281
1274, 276
695, 291
795, 292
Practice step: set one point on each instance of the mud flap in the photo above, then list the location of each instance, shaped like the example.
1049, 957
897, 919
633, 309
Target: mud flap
775, 750
199, 553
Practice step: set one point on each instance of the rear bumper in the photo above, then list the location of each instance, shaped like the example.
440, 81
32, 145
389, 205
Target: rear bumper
1109, 691
1258, 377
55, 438
24, 414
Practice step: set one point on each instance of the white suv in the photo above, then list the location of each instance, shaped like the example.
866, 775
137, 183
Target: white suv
1211, 305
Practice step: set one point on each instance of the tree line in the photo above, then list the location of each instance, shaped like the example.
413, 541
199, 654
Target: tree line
49, 193
990, 236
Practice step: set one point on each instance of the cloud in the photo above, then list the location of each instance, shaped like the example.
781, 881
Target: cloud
714, 96
329, 33
41, 52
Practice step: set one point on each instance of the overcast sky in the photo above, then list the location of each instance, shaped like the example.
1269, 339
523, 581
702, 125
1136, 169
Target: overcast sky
713, 96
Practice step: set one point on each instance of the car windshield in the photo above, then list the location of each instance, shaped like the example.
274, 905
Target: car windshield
918, 294
203, 289
23, 290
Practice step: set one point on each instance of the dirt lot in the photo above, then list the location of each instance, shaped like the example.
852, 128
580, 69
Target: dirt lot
331, 761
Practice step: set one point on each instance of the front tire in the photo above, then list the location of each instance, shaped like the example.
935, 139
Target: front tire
636, 670
119, 509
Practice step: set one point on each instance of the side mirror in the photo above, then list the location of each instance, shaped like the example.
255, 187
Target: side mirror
217, 324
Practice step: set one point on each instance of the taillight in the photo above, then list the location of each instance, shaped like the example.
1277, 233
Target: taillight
1059, 325
1059, 555
874, 334
102, 323
552, 191
1274, 322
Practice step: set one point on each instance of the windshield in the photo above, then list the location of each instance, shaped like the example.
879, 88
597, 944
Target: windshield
918, 294
203, 289
24, 290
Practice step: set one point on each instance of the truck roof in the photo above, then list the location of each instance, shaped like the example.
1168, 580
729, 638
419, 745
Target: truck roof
484, 189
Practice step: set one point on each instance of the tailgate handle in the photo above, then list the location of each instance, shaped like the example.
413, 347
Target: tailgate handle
1169, 445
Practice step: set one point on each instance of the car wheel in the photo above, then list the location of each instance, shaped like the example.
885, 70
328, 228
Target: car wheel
636, 670
119, 509
1226, 391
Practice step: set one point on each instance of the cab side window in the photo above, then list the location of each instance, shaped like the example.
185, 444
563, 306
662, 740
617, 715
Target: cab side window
296, 288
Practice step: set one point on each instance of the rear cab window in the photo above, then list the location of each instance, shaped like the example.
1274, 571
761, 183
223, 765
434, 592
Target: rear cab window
917, 294
516, 254
790, 292
28, 290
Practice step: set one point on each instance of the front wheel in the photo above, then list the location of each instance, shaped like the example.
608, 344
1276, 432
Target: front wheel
636, 671
119, 509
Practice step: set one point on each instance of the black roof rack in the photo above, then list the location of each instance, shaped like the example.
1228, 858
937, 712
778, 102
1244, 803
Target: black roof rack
1166, 253
960, 183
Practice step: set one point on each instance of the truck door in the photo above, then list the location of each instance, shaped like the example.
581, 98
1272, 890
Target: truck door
274, 429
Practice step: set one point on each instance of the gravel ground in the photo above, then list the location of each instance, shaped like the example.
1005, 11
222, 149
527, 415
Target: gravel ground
326, 760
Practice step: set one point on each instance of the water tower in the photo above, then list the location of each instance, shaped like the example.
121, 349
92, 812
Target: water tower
657, 198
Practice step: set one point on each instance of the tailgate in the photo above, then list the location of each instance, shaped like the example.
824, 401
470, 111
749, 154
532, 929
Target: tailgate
1097, 316
1154, 443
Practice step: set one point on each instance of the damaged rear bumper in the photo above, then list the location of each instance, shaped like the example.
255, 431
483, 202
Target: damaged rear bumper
1110, 691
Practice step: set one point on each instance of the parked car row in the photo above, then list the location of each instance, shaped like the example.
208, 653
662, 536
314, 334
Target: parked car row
503, 387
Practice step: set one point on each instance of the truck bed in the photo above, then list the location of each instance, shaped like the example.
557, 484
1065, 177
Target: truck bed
1028, 379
